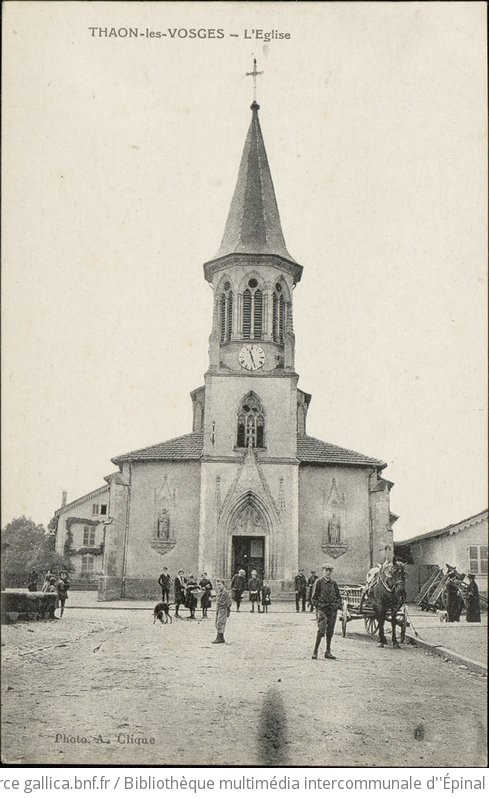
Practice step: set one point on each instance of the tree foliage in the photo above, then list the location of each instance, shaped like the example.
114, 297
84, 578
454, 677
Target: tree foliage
27, 545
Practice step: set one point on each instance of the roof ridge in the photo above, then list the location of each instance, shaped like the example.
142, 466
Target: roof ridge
435, 532
82, 499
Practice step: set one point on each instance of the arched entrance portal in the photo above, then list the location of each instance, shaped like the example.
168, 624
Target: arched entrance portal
249, 533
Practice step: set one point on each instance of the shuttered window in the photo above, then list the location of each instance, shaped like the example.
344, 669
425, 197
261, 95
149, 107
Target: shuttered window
278, 315
252, 311
226, 315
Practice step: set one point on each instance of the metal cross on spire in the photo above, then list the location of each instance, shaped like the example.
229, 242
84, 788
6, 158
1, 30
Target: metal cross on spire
254, 75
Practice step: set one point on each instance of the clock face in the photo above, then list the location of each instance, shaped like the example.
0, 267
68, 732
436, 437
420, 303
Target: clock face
251, 357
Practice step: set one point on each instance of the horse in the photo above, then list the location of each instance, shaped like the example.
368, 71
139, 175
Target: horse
389, 594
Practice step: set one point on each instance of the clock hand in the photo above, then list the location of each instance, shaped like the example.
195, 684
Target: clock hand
252, 358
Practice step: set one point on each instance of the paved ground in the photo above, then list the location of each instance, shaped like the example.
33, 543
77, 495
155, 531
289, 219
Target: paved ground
101, 677
465, 639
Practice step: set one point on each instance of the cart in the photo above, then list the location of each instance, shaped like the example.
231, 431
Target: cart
358, 604
433, 595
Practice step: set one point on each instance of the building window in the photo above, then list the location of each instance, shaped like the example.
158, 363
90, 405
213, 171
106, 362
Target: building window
103, 509
87, 565
226, 312
278, 315
251, 423
252, 311
94, 509
88, 536
478, 559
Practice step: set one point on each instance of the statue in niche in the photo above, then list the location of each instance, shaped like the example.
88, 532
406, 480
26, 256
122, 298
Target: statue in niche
334, 529
163, 528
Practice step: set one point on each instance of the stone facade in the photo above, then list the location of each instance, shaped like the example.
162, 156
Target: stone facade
247, 487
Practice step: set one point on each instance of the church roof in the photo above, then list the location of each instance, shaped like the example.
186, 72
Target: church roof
253, 224
312, 450
186, 447
309, 450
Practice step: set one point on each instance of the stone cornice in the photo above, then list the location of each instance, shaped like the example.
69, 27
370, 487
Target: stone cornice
247, 375
249, 259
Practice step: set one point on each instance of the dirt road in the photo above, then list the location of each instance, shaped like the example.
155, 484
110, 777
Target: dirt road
108, 687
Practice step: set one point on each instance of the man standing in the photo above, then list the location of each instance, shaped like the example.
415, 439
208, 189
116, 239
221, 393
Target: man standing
223, 609
238, 586
180, 583
300, 583
454, 598
165, 583
326, 597
310, 586
473, 613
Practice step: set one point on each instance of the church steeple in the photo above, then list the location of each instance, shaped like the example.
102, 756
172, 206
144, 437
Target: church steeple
253, 224
253, 274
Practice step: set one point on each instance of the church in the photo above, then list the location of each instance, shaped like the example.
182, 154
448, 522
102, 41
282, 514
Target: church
247, 487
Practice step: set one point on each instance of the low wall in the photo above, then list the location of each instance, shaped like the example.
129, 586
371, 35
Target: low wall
25, 606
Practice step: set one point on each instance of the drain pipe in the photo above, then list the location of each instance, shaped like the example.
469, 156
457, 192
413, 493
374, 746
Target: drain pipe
126, 534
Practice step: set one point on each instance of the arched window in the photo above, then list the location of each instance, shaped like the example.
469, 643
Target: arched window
251, 423
226, 313
252, 310
278, 314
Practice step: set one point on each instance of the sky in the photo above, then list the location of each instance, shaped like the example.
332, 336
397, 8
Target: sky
120, 160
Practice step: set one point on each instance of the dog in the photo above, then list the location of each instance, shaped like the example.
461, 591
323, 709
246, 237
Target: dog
442, 615
161, 612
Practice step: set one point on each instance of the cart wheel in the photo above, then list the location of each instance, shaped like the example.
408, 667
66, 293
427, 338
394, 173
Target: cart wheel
402, 621
371, 624
344, 617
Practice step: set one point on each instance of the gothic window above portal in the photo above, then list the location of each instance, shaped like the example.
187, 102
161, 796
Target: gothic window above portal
252, 310
251, 423
226, 312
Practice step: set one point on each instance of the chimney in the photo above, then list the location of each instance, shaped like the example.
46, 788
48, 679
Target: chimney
64, 496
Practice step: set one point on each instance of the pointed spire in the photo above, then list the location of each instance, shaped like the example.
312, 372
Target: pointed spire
253, 224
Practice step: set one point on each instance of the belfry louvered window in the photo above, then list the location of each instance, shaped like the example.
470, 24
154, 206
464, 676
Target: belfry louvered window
251, 423
252, 311
278, 315
226, 313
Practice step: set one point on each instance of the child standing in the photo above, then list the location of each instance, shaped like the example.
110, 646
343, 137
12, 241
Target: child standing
265, 596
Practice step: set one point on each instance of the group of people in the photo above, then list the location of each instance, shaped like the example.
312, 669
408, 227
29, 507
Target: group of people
51, 584
187, 591
259, 591
456, 601
303, 590
322, 593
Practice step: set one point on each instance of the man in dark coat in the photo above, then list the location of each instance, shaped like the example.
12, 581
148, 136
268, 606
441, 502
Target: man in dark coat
300, 587
254, 586
326, 597
180, 583
310, 585
165, 583
454, 598
473, 613
238, 586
